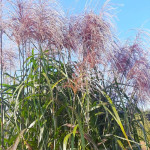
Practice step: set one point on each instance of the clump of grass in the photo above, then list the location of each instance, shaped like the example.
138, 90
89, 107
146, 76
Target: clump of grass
55, 101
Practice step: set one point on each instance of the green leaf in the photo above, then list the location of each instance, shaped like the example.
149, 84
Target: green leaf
66, 141
116, 117
120, 144
57, 83
75, 129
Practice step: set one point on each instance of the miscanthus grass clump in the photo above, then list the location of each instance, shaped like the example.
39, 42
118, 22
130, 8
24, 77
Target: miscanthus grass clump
67, 82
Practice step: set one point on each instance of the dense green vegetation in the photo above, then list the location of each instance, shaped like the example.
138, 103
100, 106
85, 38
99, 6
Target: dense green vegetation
77, 87
49, 110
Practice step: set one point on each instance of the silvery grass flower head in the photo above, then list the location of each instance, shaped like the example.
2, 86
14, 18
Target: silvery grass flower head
48, 24
126, 56
8, 59
131, 64
38, 22
19, 22
88, 35
139, 74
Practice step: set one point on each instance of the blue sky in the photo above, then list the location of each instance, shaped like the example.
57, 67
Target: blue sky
131, 14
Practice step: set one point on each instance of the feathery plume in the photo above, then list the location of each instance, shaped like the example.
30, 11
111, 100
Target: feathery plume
19, 24
125, 57
9, 57
139, 74
47, 24
89, 35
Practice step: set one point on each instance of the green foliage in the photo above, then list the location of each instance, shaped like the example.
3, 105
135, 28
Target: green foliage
48, 114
